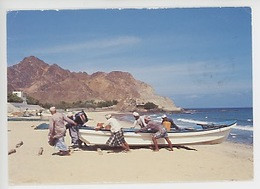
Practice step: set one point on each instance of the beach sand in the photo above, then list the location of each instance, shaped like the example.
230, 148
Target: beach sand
192, 163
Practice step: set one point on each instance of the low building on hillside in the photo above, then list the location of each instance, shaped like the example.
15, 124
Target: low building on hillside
18, 93
21, 95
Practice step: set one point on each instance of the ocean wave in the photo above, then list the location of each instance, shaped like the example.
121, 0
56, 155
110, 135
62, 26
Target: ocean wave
238, 127
192, 121
244, 128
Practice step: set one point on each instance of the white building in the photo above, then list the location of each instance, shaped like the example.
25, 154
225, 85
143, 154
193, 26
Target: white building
18, 93
21, 95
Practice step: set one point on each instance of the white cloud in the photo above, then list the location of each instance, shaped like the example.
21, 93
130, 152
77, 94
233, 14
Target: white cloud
121, 41
181, 88
168, 78
185, 69
192, 96
192, 78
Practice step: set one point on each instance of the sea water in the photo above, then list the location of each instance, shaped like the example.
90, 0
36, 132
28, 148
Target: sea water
241, 133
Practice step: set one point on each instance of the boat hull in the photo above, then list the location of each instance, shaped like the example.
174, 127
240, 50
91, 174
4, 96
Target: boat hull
211, 136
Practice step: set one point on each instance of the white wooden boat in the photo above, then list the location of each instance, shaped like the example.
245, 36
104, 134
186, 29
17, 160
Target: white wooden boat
209, 134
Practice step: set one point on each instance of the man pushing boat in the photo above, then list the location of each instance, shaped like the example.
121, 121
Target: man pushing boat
159, 132
117, 135
139, 121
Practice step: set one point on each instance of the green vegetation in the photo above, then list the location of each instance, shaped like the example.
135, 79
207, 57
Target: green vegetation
150, 105
86, 104
108, 103
31, 100
91, 104
63, 105
13, 98
46, 105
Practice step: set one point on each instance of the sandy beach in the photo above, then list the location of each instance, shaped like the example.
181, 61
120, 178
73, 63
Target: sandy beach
193, 163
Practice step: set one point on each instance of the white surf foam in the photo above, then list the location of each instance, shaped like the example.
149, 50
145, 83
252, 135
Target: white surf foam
239, 127
192, 121
244, 128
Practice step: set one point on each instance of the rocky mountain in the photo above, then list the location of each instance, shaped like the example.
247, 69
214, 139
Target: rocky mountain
53, 84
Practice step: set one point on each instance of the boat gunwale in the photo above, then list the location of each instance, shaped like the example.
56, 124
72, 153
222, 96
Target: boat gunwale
171, 131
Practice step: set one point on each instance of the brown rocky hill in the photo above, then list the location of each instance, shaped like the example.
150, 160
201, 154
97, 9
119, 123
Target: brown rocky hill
52, 84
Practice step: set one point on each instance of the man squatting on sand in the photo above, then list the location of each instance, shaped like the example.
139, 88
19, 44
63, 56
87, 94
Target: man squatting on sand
117, 135
159, 129
57, 130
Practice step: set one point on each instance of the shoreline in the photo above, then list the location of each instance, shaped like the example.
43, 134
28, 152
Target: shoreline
129, 123
190, 163
99, 116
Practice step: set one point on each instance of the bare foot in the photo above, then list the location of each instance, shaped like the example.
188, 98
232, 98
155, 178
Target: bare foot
64, 153
126, 151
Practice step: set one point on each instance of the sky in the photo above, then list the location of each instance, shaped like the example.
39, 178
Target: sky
199, 57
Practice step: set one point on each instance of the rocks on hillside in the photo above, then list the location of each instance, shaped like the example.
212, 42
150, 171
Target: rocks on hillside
53, 84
